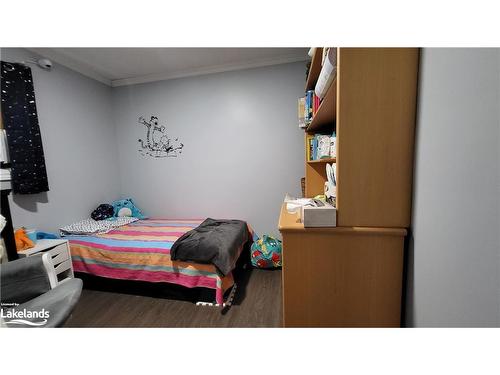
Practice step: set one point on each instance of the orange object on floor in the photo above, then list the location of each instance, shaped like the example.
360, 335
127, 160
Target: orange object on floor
22, 240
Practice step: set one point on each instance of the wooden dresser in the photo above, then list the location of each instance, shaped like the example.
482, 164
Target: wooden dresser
342, 276
351, 275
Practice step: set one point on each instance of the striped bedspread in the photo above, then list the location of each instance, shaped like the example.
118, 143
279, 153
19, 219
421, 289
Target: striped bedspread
141, 251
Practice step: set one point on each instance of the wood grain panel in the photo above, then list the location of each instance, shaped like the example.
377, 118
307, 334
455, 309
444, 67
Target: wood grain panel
315, 179
376, 103
342, 280
341, 276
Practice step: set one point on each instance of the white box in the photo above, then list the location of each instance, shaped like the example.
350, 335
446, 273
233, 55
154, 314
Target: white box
325, 216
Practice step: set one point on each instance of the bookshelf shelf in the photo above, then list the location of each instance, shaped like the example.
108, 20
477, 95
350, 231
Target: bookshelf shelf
326, 115
328, 160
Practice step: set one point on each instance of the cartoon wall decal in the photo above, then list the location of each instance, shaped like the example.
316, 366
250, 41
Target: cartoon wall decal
157, 143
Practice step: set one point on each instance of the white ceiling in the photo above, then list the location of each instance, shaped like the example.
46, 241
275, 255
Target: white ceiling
126, 66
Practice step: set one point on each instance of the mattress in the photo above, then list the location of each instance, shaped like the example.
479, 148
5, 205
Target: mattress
141, 251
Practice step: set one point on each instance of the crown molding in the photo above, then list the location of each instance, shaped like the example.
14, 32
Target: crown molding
206, 70
87, 71
70, 63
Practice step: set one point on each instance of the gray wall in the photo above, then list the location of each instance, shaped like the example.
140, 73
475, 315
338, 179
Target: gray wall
79, 144
243, 148
455, 253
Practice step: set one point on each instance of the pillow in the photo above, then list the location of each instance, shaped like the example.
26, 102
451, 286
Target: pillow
126, 207
104, 211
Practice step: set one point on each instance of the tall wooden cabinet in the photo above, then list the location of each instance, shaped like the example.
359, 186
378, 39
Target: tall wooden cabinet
351, 275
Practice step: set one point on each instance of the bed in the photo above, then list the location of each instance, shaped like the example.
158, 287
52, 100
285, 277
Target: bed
141, 251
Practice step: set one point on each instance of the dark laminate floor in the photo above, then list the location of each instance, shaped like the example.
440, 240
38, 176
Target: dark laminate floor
257, 304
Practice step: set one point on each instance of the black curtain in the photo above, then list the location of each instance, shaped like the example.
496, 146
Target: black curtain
20, 119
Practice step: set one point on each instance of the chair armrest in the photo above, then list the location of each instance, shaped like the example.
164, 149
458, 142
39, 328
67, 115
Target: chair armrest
51, 271
23, 279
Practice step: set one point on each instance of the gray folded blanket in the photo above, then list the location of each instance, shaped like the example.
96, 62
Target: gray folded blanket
217, 242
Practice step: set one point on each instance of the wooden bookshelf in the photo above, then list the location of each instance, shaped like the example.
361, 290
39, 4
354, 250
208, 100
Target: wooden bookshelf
371, 106
342, 276
351, 275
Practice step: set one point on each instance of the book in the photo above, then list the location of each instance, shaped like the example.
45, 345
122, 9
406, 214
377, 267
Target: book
333, 146
323, 148
309, 106
311, 146
310, 103
302, 112
315, 148
316, 103
318, 146
309, 138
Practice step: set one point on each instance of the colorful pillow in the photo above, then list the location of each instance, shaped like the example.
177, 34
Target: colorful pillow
126, 207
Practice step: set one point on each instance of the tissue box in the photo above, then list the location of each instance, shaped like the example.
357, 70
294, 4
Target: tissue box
325, 216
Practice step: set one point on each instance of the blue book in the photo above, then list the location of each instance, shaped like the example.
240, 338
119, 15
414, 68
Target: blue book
309, 105
315, 148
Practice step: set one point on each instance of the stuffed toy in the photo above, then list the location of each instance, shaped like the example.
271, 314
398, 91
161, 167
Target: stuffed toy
22, 240
104, 211
126, 207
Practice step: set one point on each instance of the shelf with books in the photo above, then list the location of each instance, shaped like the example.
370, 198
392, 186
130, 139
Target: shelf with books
319, 119
320, 148
326, 114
